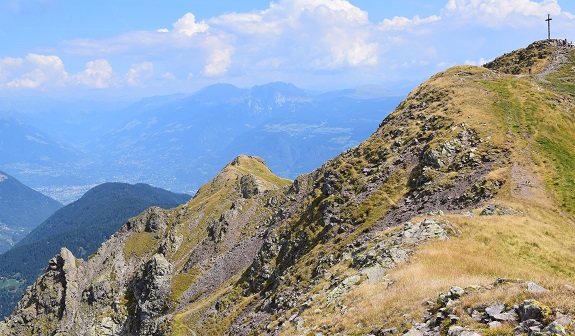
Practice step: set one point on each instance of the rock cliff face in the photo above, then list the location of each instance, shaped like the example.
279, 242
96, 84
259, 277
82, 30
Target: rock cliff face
466, 182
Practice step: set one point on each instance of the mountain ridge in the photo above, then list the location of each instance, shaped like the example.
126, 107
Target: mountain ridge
80, 226
458, 208
21, 210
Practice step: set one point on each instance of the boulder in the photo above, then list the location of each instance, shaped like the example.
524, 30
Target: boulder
534, 288
529, 310
553, 329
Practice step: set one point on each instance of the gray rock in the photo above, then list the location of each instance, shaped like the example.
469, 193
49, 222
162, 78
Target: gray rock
413, 332
564, 320
374, 273
509, 317
250, 186
342, 288
534, 288
456, 292
528, 310
384, 332
494, 324
553, 329
477, 316
151, 289
455, 330
495, 309
528, 326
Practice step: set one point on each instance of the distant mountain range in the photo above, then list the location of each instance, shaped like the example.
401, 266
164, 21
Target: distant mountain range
21, 210
178, 141
81, 227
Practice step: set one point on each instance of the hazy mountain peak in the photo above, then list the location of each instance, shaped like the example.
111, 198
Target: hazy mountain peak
219, 93
275, 88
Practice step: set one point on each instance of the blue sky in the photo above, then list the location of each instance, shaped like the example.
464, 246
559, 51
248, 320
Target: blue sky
68, 48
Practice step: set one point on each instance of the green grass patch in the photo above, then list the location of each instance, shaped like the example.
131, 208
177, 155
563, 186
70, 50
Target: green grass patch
181, 282
563, 80
10, 283
563, 159
140, 243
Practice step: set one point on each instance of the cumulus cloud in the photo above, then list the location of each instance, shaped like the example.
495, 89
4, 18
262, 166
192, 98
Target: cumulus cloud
498, 13
403, 23
219, 62
315, 40
33, 71
8, 65
98, 74
187, 25
308, 34
289, 38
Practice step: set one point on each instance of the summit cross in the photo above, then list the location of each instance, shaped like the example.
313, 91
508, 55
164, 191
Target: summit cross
549, 26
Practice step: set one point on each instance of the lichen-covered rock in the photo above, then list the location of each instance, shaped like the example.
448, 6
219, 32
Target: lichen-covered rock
152, 220
251, 186
150, 292
553, 329
531, 310
53, 299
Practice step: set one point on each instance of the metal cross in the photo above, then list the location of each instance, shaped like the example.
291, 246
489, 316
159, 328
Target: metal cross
549, 26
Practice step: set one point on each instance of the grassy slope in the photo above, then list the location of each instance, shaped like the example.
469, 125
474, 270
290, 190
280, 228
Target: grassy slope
211, 201
534, 120
519, 114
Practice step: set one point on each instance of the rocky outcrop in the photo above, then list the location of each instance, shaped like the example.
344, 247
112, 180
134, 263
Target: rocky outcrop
50, 303
149, 298
527, 317
540, 57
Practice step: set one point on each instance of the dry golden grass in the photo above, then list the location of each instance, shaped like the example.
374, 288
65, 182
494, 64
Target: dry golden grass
537, 244
530, 247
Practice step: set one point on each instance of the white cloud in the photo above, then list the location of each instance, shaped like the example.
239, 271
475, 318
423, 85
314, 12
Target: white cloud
187, 25
403, 23
302, 41
168, 75
305, 34
33, 71
8, 65
219, 62
139, 72
497, 13
288, 36
98, 74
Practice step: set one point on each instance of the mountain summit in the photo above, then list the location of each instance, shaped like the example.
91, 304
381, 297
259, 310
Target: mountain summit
454, 217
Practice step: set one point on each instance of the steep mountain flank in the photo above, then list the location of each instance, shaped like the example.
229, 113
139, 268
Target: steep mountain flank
454, 217
81, 227
21, 210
